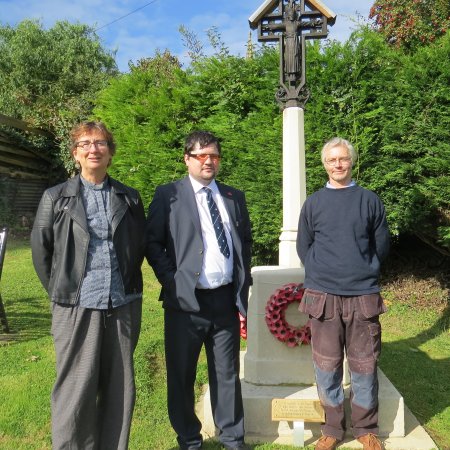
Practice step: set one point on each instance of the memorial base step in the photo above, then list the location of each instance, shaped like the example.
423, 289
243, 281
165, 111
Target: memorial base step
399, 430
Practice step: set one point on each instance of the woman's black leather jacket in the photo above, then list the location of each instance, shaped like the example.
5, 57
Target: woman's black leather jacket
60, 238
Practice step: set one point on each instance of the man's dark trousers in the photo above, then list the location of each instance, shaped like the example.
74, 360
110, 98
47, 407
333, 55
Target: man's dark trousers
216, 326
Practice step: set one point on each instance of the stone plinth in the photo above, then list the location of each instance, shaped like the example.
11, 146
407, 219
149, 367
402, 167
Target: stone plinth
267, 360
258, 401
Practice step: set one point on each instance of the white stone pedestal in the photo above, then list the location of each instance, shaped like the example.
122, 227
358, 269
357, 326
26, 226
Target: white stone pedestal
267, 360
258, 400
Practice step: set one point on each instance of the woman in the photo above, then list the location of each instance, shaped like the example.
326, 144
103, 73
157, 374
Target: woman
87, 251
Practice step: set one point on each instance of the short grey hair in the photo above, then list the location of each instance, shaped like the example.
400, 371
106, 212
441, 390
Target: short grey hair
339, 142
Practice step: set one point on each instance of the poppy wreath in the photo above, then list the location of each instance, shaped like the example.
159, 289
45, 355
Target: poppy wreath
276, 316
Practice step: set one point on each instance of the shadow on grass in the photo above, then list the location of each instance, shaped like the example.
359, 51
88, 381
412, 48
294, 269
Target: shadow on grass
419, 378
15, 243
28, 320
213, 444
419, 280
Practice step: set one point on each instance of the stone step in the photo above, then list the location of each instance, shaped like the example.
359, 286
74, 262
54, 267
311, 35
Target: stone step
398, 427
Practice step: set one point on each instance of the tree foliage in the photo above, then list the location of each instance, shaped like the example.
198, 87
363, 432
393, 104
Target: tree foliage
392, 106
151, 111
147, 113
50, 77
192, 43
411, 23
234, 98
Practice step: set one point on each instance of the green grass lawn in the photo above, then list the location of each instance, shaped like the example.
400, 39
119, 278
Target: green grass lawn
415, 357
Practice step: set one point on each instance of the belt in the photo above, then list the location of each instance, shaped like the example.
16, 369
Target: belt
224, 286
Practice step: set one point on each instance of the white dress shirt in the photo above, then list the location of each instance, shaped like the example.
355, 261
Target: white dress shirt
217, 270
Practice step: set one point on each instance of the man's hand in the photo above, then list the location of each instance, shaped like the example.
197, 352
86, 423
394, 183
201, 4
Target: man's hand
243, 326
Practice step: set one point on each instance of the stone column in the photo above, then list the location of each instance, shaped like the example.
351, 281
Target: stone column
294, 183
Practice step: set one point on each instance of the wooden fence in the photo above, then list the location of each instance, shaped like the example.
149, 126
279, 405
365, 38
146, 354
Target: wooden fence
24, 172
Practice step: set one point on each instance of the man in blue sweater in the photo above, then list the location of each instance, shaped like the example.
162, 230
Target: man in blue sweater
342, 239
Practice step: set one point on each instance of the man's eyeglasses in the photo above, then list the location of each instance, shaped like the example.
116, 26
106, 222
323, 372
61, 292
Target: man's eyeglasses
86, 145
204, 156
334, 161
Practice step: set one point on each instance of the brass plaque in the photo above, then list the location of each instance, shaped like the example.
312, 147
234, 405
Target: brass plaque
297, 409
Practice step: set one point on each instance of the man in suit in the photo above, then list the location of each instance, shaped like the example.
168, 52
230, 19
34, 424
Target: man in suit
199, 246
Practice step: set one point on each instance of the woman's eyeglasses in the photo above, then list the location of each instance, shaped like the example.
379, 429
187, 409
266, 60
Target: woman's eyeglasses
86, 145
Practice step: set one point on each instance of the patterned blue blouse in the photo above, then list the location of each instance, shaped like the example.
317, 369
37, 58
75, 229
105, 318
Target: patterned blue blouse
102, 279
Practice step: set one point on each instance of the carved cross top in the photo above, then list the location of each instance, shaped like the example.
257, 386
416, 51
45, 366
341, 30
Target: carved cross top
311, 17
291, 22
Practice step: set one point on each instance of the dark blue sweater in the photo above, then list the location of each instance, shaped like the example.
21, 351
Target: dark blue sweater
342, 239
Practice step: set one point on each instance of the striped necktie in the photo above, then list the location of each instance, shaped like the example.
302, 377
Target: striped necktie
217, 223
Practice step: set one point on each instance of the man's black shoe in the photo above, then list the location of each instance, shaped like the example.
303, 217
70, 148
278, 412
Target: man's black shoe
191, 447
236, 447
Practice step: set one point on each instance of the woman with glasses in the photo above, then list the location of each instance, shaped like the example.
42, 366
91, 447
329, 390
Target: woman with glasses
87, 251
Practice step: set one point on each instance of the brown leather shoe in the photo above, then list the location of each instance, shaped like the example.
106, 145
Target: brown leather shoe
370, 442
326, 443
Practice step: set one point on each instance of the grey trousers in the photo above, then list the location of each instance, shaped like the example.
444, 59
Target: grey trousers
94, 393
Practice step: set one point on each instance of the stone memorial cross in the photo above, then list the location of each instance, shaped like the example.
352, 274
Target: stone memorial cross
291, 22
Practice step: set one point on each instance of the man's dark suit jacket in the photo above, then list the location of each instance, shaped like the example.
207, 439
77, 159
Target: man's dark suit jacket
175, 245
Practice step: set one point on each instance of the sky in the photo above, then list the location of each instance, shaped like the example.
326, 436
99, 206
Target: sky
135, 29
